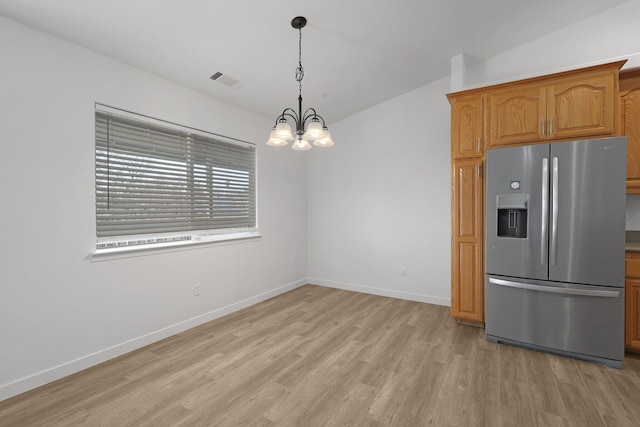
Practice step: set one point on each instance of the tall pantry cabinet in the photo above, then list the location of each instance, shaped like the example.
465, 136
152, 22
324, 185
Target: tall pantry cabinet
574, 104
467, 153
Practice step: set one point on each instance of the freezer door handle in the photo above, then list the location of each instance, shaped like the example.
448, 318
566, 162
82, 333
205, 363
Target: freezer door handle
554, 212
544, 234
552, 289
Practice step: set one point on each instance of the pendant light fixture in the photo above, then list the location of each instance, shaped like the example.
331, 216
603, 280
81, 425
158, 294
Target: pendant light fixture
310, 126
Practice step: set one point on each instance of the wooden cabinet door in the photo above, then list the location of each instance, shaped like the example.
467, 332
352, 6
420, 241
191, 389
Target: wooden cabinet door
467, 278
582, 106
466, 126
632, 301
632, 314
517, 114
630, 125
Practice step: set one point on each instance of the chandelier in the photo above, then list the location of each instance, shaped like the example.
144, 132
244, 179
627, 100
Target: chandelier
310, 126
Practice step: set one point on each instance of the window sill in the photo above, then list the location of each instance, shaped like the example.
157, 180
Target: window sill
159, 248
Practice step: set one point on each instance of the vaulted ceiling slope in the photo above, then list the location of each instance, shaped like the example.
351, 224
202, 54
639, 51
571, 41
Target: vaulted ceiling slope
356, 53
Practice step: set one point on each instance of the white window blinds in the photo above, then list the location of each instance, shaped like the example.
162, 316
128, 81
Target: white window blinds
161, 179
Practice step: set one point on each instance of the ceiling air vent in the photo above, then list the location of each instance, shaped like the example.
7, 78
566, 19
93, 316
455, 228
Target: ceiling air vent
224, 79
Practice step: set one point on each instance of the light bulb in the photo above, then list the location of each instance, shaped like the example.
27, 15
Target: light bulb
314, 130
274, 141
301, 144
283, 130
326, 141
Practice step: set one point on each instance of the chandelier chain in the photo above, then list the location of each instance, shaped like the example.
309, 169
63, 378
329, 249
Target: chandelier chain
299, 70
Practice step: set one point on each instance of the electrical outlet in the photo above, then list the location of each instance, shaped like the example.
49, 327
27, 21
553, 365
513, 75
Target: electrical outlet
196, 289
403, 271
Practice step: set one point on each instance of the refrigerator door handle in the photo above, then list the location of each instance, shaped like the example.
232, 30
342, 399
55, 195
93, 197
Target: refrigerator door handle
544, 236
554, 212
552, 289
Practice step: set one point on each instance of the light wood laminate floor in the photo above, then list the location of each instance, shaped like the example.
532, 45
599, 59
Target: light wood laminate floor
319, 356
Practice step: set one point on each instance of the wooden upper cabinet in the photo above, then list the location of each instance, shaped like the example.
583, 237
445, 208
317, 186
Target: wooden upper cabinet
517, 114
467, 126
630, 126
569, 105
582, 106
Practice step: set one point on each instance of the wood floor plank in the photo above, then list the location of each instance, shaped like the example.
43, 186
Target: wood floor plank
579, 405
566, 370
513, 363
421, 400
443, 336
319, 356
546, 401
545, 419
353, 408
395, 391
608, 400
487, 384
629, 388
515, 404
457, 403
322, 390
465, 341
632, 363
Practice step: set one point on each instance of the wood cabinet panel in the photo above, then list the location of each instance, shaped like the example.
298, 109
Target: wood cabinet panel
469, 202
632, 302
566, 106
466, 127
581, 106
632, 314
469, 300
467, 276
632, 265
630, 127
516, 114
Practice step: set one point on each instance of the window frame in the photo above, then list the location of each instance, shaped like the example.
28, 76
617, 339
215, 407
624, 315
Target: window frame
145, 242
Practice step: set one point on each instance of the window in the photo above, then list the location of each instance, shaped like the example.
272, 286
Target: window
157, 182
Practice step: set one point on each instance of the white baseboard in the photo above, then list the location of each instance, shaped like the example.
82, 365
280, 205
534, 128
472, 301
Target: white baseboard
429, 299
55, 373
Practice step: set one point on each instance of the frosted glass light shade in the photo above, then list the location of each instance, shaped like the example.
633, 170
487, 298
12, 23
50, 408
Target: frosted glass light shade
275, 141
283, 131
314, 130
324, 142
301, 144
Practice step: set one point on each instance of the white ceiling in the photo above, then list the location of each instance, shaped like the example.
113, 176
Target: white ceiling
355, 53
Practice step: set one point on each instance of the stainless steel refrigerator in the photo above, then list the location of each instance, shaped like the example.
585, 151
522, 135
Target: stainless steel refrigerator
555, 227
